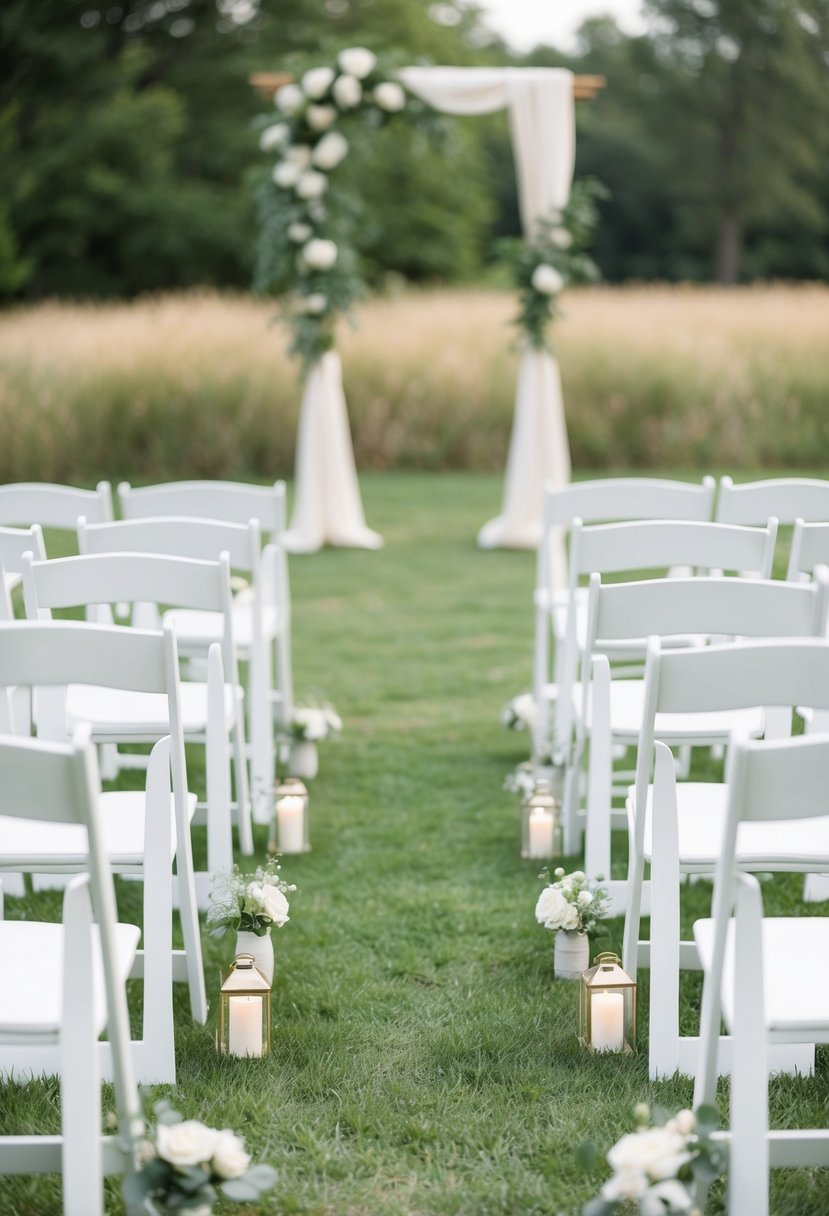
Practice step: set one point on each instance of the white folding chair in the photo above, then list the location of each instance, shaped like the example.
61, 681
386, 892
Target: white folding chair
608, 499
64, 982
212, 712
238, 502
765, 976
50, 657
666, 608
786, 498
198, 629
682, 826
53, 506
14, 542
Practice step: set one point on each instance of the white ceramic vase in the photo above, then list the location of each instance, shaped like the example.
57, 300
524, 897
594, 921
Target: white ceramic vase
260, 947
303, 760
572, 955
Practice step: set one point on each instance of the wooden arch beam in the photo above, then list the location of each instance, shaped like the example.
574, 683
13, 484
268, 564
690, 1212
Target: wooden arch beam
585, 88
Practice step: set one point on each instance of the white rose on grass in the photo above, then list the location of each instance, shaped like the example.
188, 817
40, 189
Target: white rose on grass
547, 280
186, 1143
320, 118
287, 174
357, 61
389, 96
347, 92
274, 136
289, 99
330, 150
298, 154
316, 83
229, 1157
311, 184
315, 303
561, 238
319, 254
299, 233
656, 1152
551, 908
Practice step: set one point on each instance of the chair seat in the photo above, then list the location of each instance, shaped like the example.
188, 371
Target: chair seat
196, 629
796, 992
28, 843
776, 845
627, 701
31, 995
113, 711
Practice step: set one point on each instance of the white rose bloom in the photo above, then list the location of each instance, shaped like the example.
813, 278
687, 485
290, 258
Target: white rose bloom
311, 184
286, 174
289, 99
547, 280
229, 1157
273, 137
570, 919
524, 708
334, 720
274, 905
298, 154
320, 254
585, 898
299, 233
657, 1152
320, 118
357, 61
347, 92
316, 83
625, 1186
330, 150
561, 238
669, 1196
685, 1121
186, 1143
389, 96
315, 303
551, 908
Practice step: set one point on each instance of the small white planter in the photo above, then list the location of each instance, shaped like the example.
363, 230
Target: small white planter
572, 955
303, 759
260, 947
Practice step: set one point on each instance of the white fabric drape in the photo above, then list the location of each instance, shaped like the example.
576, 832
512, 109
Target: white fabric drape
542, 123
327, 505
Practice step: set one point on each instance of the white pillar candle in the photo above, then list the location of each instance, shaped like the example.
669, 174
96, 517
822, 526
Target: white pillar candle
541, 833
607, 1021
289, 819
245, 1026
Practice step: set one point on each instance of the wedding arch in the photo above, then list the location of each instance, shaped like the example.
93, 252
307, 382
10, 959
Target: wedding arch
539, 101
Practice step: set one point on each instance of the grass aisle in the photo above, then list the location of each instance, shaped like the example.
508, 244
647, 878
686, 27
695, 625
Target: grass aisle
422, 1062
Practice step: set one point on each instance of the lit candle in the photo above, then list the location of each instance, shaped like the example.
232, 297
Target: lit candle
541, 833
607, 1021
245, 1026
289, 818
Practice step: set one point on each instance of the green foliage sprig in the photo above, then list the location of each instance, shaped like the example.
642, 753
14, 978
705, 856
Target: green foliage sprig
555, 256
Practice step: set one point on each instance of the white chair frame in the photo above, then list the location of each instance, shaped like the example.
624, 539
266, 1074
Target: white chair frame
786, 498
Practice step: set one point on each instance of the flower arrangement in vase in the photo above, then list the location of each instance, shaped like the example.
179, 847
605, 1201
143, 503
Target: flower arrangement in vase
571, 907
520, 713
310, 725
251, 904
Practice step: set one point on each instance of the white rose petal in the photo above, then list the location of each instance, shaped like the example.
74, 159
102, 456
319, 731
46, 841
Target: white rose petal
657, 1152
229, 1157
547, 280
570, 919
561, 238
315, 303
585, 898
274, 136
389, 96
286, 175
347, 92
186, 1143
299, 233
275, 905
671, 1193
357, 61
330, 150
289, 99
316, 83
298, 154
551, 908
685, 1121
629, 1185
311, 184
320, 118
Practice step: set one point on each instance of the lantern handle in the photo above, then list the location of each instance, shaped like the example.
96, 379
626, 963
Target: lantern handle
607, 956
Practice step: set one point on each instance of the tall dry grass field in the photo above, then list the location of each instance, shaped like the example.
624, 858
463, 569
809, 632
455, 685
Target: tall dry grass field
200, 384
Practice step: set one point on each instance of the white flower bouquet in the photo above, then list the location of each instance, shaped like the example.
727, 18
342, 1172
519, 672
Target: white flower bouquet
184, 1165
521, 780
571, 904
313, 723
520, 713
655, 1168
249, 903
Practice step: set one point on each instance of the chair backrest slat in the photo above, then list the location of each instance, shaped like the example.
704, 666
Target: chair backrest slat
659, 544
42, 781
176, 536
619, 498
233, 502
810, 548
71, 582
54, 506
35, 653
784, 779
786, 498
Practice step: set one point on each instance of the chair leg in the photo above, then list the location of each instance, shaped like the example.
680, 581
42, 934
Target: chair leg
599, 771
260, 718
219, 833
240, 770
663, 1045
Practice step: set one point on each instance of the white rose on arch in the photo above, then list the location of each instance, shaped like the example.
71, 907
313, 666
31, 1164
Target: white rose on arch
287, 174
316, 83
320, 118
561, 238
289, 99
547, 280
320, 254
389, 96
315, 303
299, 233
299, 154
274, 136
311, 184
347, 92
357, 61
330, 150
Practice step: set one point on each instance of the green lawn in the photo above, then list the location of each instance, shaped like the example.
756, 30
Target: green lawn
423, 1060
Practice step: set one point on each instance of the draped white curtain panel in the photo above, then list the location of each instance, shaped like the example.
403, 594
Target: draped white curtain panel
328, 506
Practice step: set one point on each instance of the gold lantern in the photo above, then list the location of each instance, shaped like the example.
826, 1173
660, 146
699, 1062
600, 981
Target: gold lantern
607, 1006
541, 829
244, 1010
289, 827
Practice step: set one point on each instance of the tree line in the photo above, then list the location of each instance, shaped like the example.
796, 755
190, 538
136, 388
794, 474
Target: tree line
128, 150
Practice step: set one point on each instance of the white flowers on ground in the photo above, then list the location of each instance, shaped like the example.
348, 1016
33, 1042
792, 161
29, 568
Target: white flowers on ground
185, 1143
330, 150
319, 254
357, 61
316, 83
229, 1157
520, 713
311, 184
289, 99
315, 723
570, 904
656, 1153
274, 136
547, 280
389, 96
320, 118
348, 92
